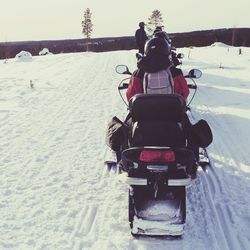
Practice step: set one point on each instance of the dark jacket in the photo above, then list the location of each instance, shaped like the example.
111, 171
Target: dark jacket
140, 37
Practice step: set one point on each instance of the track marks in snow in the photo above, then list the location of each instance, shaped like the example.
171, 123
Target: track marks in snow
216, 188
225, 226
84, 226
52, 158
111, 218
219, 233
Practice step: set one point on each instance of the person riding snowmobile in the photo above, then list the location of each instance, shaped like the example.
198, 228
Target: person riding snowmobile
157, 59
157, 67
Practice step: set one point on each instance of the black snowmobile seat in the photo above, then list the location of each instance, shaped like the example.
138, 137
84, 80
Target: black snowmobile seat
157, 120
157, 107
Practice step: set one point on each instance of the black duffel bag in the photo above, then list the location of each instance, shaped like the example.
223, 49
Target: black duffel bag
202, 134
117, 134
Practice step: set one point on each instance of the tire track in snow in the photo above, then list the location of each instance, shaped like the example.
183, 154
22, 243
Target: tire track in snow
198, 221
84, 227
96, 169
111, 217
16, 150
225, 212
219, 232
222, 212
86, 221
211, 190
32, 94
58, 116
40, 135
36, 130
89, 221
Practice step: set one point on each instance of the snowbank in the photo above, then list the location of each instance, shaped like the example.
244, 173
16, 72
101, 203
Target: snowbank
219, 44
44, 52
23, 56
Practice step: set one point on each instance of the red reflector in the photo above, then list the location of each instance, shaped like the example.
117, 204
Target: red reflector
157, 156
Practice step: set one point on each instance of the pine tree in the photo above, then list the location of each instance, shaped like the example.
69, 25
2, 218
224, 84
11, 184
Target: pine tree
154, 20
87, 25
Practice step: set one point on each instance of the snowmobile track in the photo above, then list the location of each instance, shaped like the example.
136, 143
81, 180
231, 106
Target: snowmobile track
225, 234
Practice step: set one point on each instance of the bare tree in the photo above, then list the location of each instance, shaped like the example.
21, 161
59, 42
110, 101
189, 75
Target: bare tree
87, 25
154, 20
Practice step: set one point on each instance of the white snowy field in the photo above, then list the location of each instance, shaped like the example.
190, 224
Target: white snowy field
55, 192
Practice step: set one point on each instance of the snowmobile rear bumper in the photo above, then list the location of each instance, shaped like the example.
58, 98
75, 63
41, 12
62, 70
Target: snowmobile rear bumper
156, 228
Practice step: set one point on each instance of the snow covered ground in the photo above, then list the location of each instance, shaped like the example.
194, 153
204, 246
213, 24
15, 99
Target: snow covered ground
55, 192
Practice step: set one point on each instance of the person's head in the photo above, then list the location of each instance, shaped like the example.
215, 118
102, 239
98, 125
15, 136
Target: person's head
157, 29
161, 34
141, 24
157, 46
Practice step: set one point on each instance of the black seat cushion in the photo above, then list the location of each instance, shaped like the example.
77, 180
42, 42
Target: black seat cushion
160, 107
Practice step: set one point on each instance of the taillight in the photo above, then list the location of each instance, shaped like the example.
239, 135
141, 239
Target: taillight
157, 155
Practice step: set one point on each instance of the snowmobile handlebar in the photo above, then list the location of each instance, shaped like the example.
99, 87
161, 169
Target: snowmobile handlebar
192, 86
123, 86
123, 69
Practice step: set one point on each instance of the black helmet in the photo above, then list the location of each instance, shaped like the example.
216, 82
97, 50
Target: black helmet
157, 45
162, 34
158, 29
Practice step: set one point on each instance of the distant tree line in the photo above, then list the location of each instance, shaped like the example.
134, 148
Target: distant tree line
235, 37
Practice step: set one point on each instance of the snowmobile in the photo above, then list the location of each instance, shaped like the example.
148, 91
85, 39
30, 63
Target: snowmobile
158, 164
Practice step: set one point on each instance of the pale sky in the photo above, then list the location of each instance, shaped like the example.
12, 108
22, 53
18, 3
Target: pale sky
61, 19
